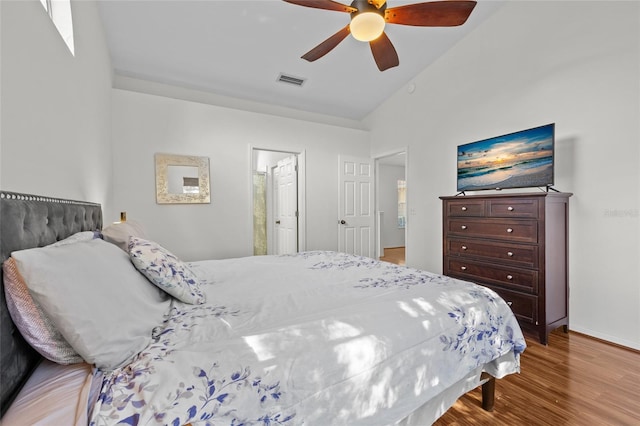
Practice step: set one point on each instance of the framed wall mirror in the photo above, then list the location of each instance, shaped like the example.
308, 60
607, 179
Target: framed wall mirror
182, 179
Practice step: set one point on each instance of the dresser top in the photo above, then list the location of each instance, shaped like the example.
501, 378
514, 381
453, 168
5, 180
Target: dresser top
509, 195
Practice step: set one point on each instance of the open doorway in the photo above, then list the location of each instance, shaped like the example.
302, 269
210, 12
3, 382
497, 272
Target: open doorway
278, 207
391, 207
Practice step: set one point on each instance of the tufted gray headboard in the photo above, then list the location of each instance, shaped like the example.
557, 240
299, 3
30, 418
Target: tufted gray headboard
28, 221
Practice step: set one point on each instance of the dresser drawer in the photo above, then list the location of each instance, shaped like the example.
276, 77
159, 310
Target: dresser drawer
522, 208
502, 229
524, 306
465, 208
516, 278
517, 254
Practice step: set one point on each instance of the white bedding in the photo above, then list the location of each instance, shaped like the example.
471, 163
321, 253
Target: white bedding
317, 338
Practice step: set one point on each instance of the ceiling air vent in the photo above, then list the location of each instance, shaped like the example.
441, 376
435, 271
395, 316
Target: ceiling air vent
289, 79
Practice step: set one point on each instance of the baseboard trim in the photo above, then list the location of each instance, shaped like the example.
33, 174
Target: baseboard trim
606, 342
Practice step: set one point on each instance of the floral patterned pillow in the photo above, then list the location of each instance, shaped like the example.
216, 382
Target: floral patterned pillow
165, 270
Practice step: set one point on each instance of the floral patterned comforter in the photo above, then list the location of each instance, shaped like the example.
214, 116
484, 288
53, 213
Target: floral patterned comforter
316, 338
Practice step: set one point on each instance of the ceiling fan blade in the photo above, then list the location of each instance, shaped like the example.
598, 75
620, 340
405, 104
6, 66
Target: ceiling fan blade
384, 53
377, 3
324, 4
326, 46
449, 13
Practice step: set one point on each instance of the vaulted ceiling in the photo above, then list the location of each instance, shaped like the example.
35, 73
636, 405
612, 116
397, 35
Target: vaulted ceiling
240, 48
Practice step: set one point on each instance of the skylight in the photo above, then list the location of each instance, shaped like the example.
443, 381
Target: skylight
60, 13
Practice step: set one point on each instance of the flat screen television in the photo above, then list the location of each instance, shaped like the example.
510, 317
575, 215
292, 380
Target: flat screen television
515, 160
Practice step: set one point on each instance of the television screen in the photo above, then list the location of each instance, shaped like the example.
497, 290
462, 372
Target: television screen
517, 160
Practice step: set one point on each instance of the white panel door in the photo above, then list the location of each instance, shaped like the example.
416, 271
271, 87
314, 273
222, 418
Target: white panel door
356, 211
286, 206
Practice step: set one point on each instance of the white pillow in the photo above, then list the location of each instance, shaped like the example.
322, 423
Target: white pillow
95, 297
77, 237
165, 270
119, 233
34, 325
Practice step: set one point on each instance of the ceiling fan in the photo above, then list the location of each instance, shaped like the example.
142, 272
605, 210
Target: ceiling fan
368, 18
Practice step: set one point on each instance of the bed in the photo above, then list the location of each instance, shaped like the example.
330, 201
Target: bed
317, 337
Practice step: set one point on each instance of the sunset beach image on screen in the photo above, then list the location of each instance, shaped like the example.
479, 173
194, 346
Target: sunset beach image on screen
516, 160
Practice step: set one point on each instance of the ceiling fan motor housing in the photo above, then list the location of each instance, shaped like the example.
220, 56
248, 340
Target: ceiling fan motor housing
364, 6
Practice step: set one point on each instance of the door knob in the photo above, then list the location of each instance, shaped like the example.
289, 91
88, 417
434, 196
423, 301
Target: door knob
343, 222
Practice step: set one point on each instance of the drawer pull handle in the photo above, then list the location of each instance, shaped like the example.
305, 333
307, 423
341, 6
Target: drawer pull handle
510, 208
509, 230
463, 227
510, 253
464, 209
464, 268
509, 277
464, 247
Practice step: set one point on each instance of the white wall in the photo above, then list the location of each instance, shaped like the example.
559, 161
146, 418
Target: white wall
144, 124
56, 126
387, 192
573, 63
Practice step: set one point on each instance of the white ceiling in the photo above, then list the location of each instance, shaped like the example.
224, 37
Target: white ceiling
239, 48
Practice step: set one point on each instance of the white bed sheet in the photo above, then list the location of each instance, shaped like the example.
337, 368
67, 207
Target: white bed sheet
54, 395
317, 338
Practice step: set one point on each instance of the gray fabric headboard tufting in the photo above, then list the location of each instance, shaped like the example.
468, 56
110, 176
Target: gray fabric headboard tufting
28, 221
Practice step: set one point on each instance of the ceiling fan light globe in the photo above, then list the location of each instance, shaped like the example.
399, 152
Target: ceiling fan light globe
367, 26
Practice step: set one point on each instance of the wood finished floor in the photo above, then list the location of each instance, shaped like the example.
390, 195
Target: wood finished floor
575, 380
394, 255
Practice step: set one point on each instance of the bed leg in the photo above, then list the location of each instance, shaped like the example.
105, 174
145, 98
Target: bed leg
488, 392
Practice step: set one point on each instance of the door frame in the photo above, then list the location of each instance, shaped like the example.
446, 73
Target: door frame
377, 158
302, 185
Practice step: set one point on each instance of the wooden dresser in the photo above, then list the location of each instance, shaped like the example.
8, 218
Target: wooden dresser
515, 244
